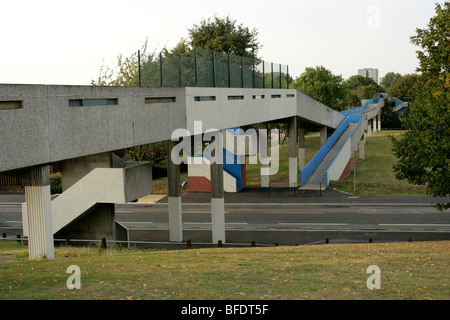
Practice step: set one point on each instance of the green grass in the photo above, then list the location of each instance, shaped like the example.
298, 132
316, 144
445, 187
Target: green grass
312, 145
408, 271
375, 174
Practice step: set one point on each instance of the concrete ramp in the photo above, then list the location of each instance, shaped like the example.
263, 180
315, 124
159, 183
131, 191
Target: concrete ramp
318, 179
330, 161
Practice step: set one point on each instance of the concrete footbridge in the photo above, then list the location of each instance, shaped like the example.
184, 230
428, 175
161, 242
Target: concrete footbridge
79, 128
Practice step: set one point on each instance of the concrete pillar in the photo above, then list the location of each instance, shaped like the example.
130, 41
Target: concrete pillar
379, 121
263, 154
323, 135
39, 213
217, 203
361, 148
369, 128
374, 123
293, 153
301, 148
174, 199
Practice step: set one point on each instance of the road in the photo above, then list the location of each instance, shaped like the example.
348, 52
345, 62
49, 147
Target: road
291, 219
290, 215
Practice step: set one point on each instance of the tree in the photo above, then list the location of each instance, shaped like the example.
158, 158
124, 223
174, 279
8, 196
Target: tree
357, 81
127, 70
367, 92
424, 150
220, 34
358, 88
321, 84
405, 88
388, 80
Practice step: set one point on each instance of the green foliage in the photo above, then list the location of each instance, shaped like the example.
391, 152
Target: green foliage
367, 92
356, 81
424, 151
148, 152
321, 84
221, 35
389, 78
127, 70
357, 88
55, 183
405, 88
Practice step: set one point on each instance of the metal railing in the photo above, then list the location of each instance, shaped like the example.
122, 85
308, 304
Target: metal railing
205, 68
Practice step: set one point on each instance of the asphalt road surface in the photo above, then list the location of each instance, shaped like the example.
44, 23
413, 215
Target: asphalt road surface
266, 217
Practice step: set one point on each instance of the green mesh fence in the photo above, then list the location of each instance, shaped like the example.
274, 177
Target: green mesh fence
207, 68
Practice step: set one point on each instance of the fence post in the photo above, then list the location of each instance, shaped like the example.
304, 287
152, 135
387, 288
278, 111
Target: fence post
264, 75
229, 71
287, 77
139, 66
271, 71
280, 76
213, 69
160, 70
195, 67
242, 71
103, 243
188, 244
179, 71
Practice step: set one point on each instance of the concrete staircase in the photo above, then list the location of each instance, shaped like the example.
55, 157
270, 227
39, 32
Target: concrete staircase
125, 182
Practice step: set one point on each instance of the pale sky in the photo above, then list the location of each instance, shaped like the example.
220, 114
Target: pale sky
66, 42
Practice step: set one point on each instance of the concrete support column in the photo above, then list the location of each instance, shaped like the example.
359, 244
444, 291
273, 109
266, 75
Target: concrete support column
217, 203
301, 148
361, 148
379, 121
39, 213
323, 135
293, 153
263, 154
174, 199
369, 128
374, 123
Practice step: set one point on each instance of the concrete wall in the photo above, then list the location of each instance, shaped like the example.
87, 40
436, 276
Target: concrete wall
46, 129
336, 169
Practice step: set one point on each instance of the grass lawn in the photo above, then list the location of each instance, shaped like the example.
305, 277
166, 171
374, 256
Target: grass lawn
408, 271
375, 175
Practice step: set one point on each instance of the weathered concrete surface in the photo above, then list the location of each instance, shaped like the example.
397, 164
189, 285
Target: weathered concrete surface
47, 130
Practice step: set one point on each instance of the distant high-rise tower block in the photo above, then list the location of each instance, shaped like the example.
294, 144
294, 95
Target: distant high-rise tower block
369, 73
